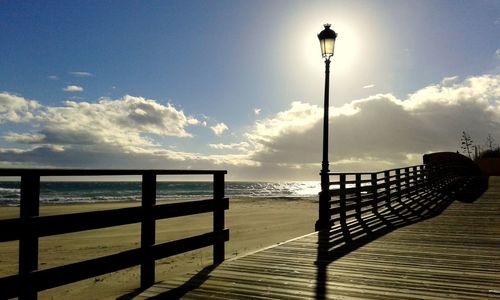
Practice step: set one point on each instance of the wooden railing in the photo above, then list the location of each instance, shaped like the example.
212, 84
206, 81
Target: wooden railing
29, 227
355, 194
352, 195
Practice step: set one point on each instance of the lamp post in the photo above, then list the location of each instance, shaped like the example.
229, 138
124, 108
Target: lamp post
327, 42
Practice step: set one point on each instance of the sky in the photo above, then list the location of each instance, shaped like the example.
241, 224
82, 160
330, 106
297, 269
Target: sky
238, 85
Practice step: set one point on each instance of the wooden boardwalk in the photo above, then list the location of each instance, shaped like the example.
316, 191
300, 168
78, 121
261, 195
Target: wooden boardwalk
394, 254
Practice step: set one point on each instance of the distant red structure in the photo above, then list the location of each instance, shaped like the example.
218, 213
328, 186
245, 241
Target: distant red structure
489, 166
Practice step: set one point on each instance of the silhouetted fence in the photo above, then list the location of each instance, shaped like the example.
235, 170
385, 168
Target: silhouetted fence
353, 195
29, 227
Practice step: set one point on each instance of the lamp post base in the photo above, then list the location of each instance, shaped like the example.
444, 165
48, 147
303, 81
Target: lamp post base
323, 221
321, 225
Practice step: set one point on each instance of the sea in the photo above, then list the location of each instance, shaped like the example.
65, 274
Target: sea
70, 192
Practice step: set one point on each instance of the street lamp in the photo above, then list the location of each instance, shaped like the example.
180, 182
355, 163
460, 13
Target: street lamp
327, 42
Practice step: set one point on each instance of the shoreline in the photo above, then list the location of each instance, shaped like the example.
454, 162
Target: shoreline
254, 223
165, 200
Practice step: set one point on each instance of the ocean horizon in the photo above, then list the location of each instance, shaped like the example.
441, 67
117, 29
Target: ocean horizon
71, 192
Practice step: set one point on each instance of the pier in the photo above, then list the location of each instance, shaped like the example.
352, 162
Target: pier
424, 232
453, 254
430, 231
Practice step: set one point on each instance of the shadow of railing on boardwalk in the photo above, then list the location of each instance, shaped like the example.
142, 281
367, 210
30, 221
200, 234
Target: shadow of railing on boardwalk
426, 196
391, 199
178, 292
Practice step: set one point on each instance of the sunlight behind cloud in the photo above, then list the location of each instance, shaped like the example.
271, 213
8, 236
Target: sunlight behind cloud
356, 52
347, 47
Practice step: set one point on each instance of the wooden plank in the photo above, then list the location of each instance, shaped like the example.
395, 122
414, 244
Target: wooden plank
188, 244
48, 278
218, 218
452, 256
28, 241
103, 172
61, 224
342, 208
148, 229
358, 197
14, 232
172, 210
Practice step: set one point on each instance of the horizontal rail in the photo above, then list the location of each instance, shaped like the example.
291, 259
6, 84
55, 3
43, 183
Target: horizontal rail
53, 277
68, 223
103, 172
378, 172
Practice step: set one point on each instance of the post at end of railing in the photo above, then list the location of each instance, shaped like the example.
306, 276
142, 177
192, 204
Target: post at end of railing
218, 220
148, 229
323, 221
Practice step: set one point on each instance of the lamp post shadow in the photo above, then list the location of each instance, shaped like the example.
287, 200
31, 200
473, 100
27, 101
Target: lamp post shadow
350, 234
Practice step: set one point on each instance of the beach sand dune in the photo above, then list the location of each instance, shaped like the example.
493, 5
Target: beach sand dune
253, 224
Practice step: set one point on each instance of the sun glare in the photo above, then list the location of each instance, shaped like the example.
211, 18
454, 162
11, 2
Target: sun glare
347, 46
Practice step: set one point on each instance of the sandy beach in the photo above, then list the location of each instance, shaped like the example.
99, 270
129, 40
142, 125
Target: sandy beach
253, 224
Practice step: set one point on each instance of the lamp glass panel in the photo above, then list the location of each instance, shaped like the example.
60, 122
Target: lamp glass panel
327, 46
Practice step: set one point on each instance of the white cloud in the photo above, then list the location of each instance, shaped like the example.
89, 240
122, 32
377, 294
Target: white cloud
448, 81
219, 128
121, 124
73, 89
193, 121
475, 90
497, 54
24, 138
53, 77
257, 111
377, 132
81, 74
374, 133
243, 146
368, 86
299, 118
108, 133
16, 109
118, 122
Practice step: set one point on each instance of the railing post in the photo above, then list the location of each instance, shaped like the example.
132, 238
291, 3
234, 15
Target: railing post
374, 193
218, 221
358, 195
343, 209
398, 183
28, 242
415, 180
425, 175
148, 230
387, 186
422, 176
407, 182
419, 177
342, 199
